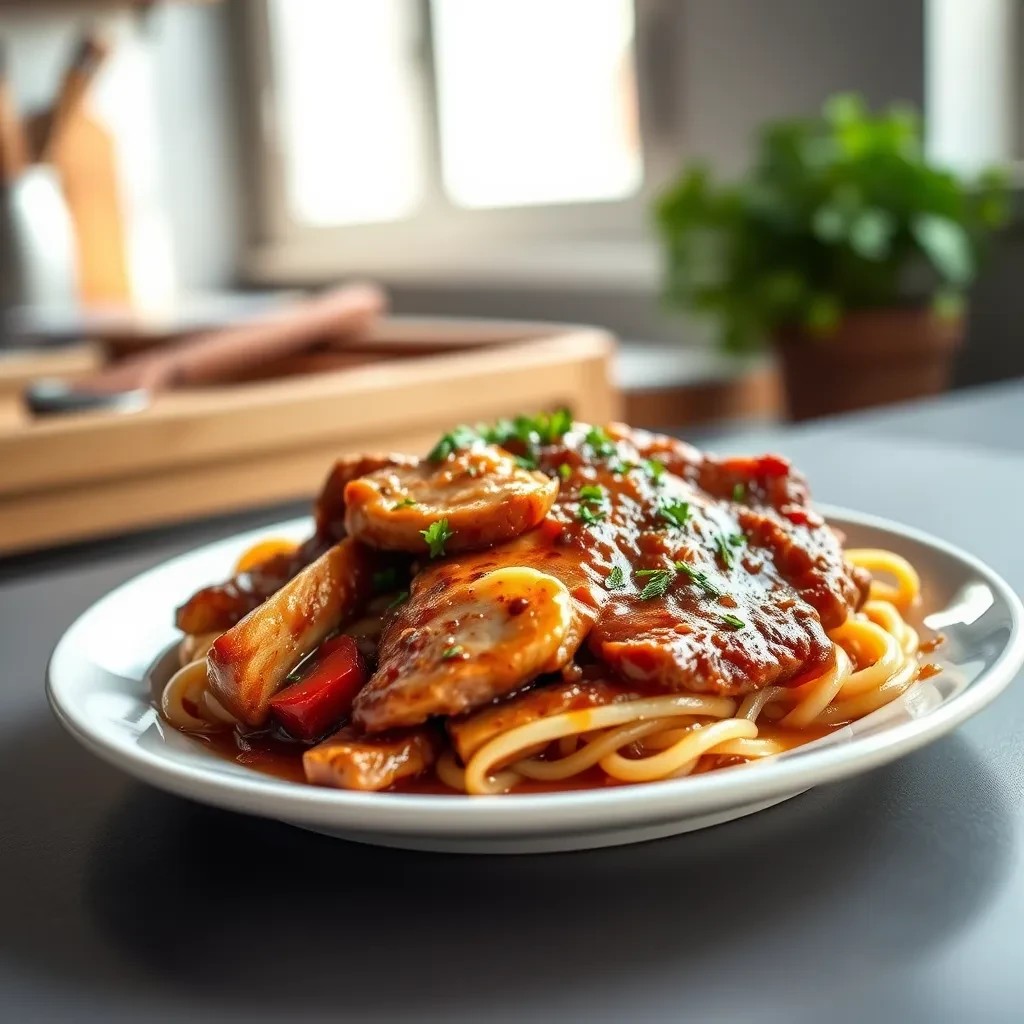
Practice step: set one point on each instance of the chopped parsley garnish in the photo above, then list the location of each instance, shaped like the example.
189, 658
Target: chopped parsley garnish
601, 444
724, 550
385, 580
404, 503
590, 496
452, 442
615, 579
698, 577
655, 470
526, 462
565, 471
399, 599
455, 651
553, 426
530, 431
675, 513
739, 492
621, 467
731, 620
498, 432
658, 581
436, 535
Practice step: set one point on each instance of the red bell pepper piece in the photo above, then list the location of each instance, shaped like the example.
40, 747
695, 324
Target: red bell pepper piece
323, 697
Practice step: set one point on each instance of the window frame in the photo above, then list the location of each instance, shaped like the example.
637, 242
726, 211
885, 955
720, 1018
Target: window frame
588, 243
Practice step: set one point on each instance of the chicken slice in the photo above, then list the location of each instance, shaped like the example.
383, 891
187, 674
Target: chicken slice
348, 761
482, 493
470, 732
249, 663
460, 642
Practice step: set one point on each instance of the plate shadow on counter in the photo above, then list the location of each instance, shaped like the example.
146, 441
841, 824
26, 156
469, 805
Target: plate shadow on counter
244, 915
214, 897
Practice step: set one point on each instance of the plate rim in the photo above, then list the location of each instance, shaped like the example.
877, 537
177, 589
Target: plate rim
538, 814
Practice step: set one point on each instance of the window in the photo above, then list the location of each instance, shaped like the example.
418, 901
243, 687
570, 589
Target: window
413, 138
974, 91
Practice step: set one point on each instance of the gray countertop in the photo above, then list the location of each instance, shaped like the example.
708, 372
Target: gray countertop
898, 895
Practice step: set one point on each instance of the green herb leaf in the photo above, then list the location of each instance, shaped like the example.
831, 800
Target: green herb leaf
526, 462
592, 494
658, 581
436, 535
675, 513
565, 471
554, 426
615, 579
655, 470
736, 540
404, 503
724, 550
399, 599
698, 577
455, 651
454, 441
739, 492
590, 516
498, 432
600, 443
735, 623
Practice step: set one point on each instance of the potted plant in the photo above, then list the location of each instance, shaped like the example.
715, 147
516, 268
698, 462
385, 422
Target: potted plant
843, 246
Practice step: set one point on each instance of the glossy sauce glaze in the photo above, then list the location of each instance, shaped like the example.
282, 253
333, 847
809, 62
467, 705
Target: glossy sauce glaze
687, 573
540, 574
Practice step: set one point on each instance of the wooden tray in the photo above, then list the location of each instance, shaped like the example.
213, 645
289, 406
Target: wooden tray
222, 449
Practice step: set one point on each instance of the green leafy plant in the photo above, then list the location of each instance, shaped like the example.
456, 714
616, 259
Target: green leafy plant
839, 212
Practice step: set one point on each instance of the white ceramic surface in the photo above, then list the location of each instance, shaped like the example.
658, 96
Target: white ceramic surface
97, 687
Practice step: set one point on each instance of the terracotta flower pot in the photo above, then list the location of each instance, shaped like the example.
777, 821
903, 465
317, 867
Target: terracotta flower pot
874, 357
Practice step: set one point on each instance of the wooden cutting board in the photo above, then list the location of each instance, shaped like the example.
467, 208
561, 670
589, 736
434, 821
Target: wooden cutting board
215, 450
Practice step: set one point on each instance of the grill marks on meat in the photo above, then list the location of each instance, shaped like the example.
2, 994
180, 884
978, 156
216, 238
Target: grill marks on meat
763, 577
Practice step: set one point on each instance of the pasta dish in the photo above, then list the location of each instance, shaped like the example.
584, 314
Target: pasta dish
543, 604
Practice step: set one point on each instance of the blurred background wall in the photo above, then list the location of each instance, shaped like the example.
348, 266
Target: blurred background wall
731, 65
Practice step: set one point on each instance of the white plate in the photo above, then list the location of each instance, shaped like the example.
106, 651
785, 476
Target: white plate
97, 687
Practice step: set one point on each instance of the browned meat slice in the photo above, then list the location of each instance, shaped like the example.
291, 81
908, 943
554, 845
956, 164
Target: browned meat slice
467, 635
249, 663
329, 510
483, 496
679, 587
470, 732
348, 761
